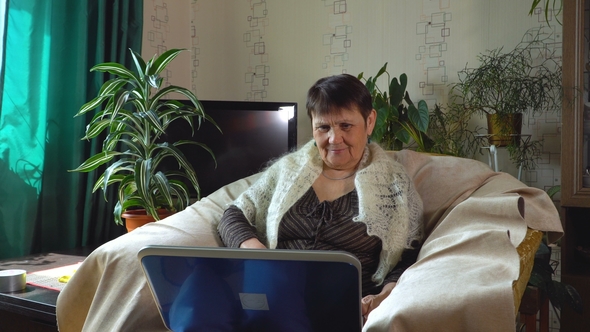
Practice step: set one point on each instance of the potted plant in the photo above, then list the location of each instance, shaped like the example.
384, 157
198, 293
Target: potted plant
135, 116
398, 118
451, 134
507, 85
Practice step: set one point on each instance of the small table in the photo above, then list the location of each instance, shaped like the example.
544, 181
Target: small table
35, 305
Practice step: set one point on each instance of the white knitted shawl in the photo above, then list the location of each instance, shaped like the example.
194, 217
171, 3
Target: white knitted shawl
388, 202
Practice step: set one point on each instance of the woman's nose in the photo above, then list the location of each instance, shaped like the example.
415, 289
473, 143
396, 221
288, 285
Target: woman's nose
335, 136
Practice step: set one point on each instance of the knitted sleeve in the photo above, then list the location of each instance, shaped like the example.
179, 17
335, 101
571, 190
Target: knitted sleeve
234, 228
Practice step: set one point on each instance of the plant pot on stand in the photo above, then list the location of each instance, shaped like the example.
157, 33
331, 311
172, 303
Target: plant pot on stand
504, 129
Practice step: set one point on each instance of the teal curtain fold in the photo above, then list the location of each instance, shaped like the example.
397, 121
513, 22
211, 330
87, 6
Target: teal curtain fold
49, 48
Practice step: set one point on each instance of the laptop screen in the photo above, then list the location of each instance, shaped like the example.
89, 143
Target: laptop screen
254, 290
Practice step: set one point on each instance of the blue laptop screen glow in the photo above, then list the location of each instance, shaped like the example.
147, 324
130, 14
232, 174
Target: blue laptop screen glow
225, 294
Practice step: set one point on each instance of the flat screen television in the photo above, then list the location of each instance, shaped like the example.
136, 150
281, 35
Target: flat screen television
253, 134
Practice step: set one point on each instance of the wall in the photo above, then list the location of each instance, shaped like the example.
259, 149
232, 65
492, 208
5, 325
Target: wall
274, 50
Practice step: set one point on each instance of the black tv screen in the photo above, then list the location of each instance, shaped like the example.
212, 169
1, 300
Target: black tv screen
253, 134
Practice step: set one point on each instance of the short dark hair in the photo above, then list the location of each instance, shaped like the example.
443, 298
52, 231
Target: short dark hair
333, 93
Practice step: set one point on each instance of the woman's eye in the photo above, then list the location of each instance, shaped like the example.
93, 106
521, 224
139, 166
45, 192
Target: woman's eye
345, 126
324, 129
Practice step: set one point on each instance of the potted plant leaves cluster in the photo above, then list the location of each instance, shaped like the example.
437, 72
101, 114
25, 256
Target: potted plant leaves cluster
451, 133
399, 120
133, 116
507, 85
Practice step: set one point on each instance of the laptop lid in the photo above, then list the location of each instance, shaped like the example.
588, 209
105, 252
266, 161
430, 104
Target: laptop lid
222, 289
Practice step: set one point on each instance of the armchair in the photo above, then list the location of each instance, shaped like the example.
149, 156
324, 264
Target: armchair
482, 228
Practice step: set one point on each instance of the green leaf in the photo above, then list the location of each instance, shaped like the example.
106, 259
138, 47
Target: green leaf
403, 136
370, 86
93, 162
110, 172
110, 87
179, 174
181, 159
182, 191
113, 179
94, 103
132, 203
117, 213
154, 81
380, 124
420, 116
128, 187
396, 92
139, 64
94, 128
143, 174
553, 191
381, 71
163, 60
122, 100
137, 147
163, 187
115, 69
177, 89
154, 121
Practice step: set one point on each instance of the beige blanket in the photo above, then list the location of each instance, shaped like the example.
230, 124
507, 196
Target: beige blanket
461, 282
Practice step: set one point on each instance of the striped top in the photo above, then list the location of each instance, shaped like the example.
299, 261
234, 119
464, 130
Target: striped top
313, 225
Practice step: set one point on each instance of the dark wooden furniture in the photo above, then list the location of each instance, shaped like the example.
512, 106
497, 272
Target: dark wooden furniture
533, 303
33, 309
575, 155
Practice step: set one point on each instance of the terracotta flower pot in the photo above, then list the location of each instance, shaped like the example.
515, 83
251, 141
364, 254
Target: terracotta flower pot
139, 217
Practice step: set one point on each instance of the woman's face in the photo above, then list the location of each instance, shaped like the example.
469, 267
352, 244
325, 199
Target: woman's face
341, 137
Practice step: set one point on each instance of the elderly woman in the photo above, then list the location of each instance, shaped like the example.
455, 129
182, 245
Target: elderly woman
338, 192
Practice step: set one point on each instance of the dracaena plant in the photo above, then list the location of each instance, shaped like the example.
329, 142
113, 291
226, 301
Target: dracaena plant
135, 115
399, 120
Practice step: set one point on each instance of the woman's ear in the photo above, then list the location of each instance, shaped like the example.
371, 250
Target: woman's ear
371, 119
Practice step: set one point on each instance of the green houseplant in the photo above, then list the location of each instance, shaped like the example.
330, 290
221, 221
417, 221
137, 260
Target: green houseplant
135, 115
398, 119
507, 85
451, 133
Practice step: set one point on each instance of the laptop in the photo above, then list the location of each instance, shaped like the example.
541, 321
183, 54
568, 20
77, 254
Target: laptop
223, 289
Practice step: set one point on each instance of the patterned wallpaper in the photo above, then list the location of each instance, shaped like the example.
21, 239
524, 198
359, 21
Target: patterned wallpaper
273, 50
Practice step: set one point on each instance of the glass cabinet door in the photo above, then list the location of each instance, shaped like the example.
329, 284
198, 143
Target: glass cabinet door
586, 110
575, 133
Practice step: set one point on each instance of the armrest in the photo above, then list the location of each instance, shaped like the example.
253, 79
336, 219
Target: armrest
526, 251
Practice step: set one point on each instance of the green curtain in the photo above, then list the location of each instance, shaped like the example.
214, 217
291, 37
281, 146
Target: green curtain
49, 48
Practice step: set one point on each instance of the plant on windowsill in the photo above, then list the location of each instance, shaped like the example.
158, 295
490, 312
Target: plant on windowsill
399, 120
135, 117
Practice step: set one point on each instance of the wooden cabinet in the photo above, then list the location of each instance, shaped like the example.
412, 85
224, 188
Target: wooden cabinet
575, 159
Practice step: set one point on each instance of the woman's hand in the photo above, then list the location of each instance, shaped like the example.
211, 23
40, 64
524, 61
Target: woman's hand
252, 243
370, 302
